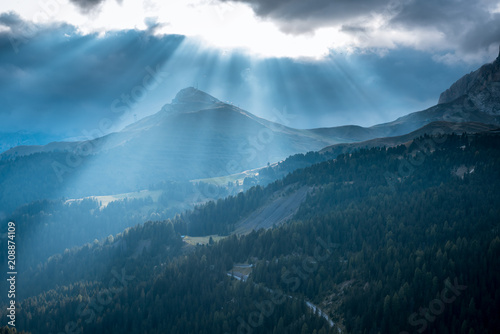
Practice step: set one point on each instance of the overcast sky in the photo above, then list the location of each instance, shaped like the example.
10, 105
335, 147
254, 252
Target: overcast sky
67, 65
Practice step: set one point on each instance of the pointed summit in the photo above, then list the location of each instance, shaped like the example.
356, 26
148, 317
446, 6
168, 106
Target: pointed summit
192, 95
190, 99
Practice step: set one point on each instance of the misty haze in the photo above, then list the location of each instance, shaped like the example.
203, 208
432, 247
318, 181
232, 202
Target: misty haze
236, 166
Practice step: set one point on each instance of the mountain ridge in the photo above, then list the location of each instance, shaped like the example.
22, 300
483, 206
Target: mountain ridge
177, 143
197, 136
475, 97
434, 128
482, 87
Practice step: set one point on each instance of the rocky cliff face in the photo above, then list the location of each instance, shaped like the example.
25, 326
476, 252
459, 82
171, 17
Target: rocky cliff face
481, 87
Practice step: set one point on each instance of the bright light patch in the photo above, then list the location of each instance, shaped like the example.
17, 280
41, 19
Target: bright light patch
229, 25
224, 25
235, 26
496, 9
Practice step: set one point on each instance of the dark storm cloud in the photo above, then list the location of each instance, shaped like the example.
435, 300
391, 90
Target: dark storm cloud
468, 25
87, 5
61, 82
299, 16
10, 19
483, 34
18, 27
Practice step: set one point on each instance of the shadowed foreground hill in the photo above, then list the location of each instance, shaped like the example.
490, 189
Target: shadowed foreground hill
405, 239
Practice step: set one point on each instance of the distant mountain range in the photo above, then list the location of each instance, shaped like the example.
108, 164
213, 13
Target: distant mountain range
434, 128
9, 140
198, 130
197, 136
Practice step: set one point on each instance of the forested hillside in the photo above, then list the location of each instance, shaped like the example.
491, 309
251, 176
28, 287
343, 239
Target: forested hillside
389, 240
48, 227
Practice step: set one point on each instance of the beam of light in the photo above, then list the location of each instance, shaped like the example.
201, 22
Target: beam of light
88, 172
234, 25
223, 25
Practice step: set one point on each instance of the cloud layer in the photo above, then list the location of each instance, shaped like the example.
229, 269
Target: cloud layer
87, 5
388, 58
468, 27
59, 80
463, 30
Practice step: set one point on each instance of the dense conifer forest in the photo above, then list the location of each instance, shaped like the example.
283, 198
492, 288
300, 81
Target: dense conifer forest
389, 240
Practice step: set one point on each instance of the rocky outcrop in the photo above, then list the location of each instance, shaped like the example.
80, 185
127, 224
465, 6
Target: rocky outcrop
481, 87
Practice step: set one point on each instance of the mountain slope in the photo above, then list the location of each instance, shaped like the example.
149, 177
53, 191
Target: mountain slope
197, 136
463, 109
481, 87
9, 140
194, 137
192, 121
370, 254
473, 98
434, 128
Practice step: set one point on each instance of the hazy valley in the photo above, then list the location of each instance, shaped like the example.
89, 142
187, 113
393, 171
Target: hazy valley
204, 218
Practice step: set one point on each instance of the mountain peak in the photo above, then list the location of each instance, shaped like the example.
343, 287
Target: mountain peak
193, 95
481, 87
190, 99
